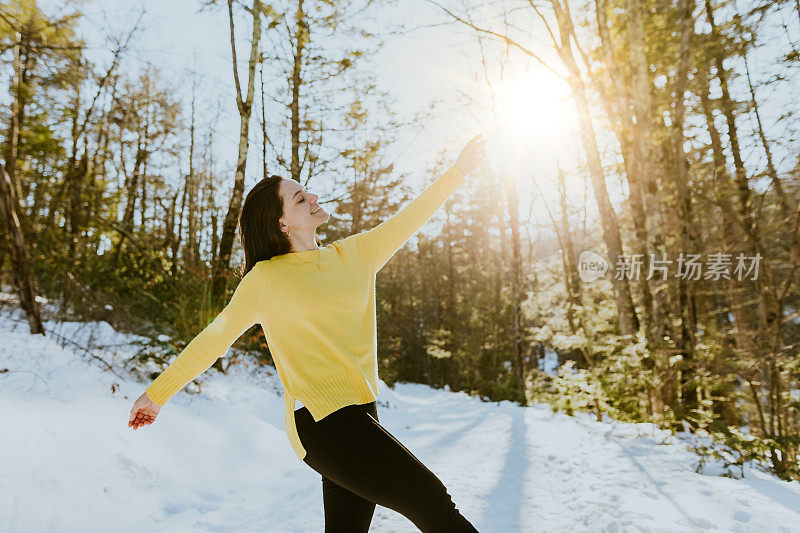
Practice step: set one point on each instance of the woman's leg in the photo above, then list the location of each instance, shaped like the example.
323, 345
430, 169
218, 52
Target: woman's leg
345, 511
353, 450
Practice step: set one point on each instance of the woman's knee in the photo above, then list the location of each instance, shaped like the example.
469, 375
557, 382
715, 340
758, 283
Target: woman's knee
450, 518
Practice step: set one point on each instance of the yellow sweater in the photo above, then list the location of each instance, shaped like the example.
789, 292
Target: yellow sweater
317, 311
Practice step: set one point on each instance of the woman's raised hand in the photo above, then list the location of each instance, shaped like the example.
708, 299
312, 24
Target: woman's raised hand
144, 412
471, 155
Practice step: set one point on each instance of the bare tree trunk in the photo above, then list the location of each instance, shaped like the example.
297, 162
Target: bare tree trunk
176, 240
742, 310
23, 63
76, 173
18, 90
131, 190
20, 263
571, 276
245, 106
512, 204
143, 196
643, 162
452, 319
628, 321
189, 195
686, 288
785, 201
214, 238
265, 172
569, 266
622, 122
170, 239
192, 250
77, 211
727, 107
99, 167
771, 294
301, 39
568, 250
70, 224
742, 307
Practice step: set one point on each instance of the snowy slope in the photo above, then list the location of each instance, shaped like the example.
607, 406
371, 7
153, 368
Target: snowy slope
220, 460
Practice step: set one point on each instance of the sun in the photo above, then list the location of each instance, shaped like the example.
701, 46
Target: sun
532, 121
531, 110
532, 105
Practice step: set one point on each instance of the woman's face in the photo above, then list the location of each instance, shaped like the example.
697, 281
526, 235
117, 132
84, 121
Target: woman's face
301, 211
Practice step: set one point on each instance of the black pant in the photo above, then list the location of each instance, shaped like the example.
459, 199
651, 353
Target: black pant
362, 464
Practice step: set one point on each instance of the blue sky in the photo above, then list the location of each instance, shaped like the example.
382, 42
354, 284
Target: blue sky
417, 67
437, 61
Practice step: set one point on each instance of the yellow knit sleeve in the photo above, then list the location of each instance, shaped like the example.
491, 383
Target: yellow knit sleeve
243, 310
380, 243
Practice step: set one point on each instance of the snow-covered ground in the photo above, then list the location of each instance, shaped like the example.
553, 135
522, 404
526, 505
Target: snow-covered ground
220, 460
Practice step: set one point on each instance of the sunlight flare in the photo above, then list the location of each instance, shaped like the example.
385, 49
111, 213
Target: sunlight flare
532, 118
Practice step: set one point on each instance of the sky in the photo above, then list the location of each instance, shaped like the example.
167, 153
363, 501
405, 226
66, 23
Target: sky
180, 40
430, 58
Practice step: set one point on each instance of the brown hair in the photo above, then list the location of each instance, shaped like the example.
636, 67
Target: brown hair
259, 228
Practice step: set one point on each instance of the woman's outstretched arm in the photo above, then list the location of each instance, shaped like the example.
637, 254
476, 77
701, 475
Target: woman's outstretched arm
243, 310
380, 243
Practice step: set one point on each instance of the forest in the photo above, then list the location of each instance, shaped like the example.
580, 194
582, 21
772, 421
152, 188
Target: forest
646, 271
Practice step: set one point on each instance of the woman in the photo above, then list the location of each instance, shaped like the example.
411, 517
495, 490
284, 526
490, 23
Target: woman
316, 306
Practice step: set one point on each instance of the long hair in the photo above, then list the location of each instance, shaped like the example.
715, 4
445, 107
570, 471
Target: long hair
259, 229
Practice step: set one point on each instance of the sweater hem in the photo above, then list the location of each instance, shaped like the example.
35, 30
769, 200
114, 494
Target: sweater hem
326, 396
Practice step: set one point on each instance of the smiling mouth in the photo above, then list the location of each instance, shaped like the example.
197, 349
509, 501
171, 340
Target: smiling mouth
315, 211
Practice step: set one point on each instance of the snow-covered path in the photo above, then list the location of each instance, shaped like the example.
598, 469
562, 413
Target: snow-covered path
220, 461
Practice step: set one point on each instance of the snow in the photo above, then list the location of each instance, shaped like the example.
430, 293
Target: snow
220, 460
549, 363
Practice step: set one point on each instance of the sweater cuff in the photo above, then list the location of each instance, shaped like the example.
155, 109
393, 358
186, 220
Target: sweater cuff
163, 388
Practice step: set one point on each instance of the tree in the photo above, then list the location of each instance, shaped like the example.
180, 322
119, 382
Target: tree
244, 106
33, 37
